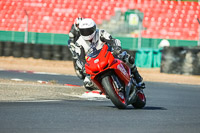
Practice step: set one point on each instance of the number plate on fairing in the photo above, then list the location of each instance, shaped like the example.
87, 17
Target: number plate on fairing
96, 61
122, 69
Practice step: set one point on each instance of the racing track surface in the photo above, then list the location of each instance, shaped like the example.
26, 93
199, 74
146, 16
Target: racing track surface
31, 76
171, 108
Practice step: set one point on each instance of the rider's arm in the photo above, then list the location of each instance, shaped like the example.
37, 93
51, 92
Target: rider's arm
115, 43
80, 53
72, 35
106, 37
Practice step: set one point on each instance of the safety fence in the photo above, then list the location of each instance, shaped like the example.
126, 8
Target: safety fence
144, 58
175, 60
129, 43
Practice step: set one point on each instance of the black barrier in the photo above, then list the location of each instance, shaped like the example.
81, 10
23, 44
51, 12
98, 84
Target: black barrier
18, 49
8, 48
37, 51
57, 52
196, 63
46, 52
171, 60
66, 54
28, 50
191, 64
181, 60
1, 48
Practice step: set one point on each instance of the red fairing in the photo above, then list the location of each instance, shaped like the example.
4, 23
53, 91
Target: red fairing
98, 64
122, 70
104, 61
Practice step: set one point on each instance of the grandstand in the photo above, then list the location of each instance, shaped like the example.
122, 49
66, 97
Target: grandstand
162, 19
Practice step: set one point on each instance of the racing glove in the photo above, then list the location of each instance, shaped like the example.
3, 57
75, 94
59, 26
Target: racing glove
117, 50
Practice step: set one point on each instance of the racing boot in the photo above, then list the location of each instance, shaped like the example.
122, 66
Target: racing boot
129, 60
88, 84
137, 77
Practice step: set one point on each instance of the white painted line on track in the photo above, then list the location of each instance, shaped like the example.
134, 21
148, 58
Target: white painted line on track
42, 82
39, 85
47, 73
93, 95
35, 100
15, 79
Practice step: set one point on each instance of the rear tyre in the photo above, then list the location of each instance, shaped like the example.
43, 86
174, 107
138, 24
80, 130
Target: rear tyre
113, 94
140, 100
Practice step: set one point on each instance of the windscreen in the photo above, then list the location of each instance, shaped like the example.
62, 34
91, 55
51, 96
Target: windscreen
93, 52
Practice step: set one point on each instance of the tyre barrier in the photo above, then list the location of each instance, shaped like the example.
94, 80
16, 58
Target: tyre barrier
181, 60
175, 60
27, 51
1, 48
36, 51
56, 52
46, 52
18, 49
8, 48
66, 54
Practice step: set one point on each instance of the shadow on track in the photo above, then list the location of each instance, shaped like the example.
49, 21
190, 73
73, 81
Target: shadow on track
154, 108
145, 108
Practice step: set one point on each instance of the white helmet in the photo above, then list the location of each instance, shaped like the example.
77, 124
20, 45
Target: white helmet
77, 22
87, 29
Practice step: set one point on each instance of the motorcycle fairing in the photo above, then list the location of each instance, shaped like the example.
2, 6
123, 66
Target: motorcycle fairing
104, 62
99, 63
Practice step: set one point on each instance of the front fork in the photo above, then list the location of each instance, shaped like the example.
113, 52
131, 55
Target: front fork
117, 83
129, 91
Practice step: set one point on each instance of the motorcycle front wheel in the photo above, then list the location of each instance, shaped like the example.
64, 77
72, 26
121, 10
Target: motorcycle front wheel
78, 71
140, 100
117, 98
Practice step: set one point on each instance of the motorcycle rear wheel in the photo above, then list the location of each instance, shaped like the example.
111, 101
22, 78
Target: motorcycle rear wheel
113, 94
140, 100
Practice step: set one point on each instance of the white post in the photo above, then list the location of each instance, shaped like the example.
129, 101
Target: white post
26, 29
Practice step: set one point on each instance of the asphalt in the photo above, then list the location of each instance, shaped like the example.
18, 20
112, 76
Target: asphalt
26, 76
170, 108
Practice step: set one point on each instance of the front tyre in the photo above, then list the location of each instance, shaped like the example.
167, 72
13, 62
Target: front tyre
140, 100
115, 96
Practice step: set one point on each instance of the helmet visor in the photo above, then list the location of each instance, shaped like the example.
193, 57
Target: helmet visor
88, 31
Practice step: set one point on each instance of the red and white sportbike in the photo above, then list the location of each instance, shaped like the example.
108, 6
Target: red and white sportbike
113, 78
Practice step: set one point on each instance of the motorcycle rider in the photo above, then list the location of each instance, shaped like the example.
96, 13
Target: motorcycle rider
91, 37
74, 34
